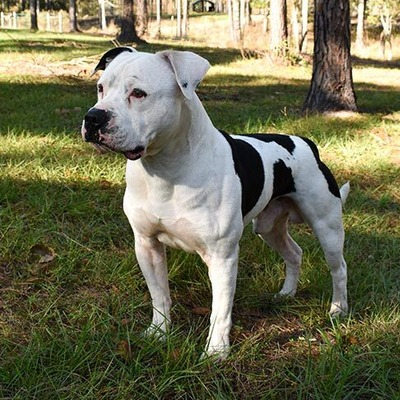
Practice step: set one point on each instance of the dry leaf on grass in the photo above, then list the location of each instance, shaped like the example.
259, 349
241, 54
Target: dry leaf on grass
45, 253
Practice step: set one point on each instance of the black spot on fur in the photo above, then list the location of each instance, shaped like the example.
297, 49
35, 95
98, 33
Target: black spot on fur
283, 180
283, 140
249, 168
109, 56
330, 179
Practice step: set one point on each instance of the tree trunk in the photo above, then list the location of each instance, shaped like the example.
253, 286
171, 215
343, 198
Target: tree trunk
142, 17
304, 26
179, 19
360, 24
185, 19
158, 5
332, 82
33, 12
242, 14
103, 22
386, 34
234, 20
295, 29
127, 22
278, 33
73, 22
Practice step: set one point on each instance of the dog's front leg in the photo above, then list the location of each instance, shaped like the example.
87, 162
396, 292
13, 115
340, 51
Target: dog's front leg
222, 273
151, 257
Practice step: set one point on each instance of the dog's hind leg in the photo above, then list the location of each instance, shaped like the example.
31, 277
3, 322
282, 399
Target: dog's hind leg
326, 223
272, 226
331, 238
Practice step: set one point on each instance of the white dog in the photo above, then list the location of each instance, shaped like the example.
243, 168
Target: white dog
193, 187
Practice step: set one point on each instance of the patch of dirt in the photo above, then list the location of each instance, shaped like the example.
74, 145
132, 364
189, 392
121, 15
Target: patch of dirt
78, 67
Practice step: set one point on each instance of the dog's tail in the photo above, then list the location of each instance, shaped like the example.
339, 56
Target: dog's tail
344, 192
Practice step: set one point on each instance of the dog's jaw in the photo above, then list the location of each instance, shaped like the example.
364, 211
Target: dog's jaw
135, 154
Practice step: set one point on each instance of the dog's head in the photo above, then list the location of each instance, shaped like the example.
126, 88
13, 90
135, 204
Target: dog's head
142, 100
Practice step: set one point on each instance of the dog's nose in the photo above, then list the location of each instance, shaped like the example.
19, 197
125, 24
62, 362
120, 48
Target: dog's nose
95, 119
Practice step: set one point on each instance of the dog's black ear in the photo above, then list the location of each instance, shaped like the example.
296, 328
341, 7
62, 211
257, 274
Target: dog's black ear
109, 56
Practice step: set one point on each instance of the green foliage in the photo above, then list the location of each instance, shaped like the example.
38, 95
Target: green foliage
376, 7
73, 302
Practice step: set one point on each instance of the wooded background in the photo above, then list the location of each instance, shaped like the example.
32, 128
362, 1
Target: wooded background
278, 29
285, 23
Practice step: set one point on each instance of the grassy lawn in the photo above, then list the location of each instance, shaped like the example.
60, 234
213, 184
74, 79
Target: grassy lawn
73, 302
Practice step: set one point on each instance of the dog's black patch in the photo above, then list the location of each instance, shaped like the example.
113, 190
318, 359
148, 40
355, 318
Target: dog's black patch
249, 168
283, 180
332, 185
109, 56
283, 140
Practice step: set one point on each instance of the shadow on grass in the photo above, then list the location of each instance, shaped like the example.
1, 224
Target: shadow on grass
40, 105
367, 62
47, 42
31, 43
36, 107
89, 212
85, 312
71, 317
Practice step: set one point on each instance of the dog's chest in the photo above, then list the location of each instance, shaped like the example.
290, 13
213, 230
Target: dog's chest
177, 230
166, 215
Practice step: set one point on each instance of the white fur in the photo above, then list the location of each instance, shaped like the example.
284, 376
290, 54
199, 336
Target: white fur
184, 191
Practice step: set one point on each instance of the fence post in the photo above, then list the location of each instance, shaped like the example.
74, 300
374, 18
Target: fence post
2, 19
14, 16
48, 24
60, 22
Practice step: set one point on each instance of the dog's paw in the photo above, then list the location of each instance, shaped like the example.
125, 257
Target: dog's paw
155, 332
218, 352
338, 310
286, 293
215, 354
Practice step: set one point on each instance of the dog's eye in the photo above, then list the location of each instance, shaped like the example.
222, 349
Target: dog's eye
138, 93
100, 88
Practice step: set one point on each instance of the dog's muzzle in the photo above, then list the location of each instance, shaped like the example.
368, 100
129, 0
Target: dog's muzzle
94, 131
94, 122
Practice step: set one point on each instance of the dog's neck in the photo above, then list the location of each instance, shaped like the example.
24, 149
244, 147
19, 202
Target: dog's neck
174, 156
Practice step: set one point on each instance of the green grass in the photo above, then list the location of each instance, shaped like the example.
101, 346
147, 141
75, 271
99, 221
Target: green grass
70, 328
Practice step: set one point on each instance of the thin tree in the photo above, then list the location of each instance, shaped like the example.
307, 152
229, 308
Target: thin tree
360, 24
385, 12
33, 12
278, 31
178, 6
234, 20
386, 34
331, 86
158, 18
295, 28
304, 26
103, 21
128, 33
73, 21
142, 17
185, 18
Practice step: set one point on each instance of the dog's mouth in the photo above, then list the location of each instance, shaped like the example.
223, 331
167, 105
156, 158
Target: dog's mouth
134, 154
98, 142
